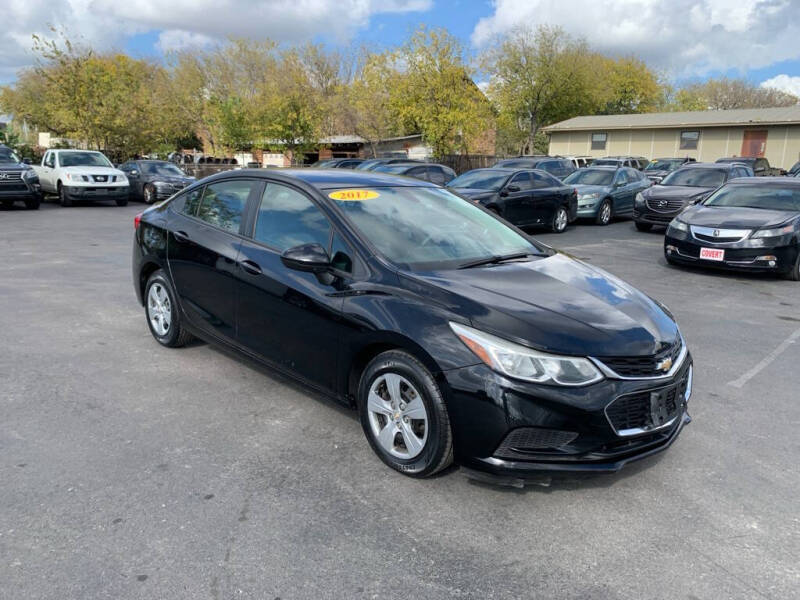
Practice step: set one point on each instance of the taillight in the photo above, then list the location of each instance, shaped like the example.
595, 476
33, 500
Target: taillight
136, 220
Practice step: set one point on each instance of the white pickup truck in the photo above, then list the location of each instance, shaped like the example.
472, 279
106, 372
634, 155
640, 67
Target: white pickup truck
83, 175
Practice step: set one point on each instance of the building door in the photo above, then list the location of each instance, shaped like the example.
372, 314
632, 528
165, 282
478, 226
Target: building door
754, 142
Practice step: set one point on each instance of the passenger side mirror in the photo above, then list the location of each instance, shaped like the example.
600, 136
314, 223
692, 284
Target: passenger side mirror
133, 174
309, 258
512, 188
26, 161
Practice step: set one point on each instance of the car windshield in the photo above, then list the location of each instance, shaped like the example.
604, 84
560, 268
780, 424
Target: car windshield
83, 159
744, 161
664, 164
163, 169
590, 177
751, 196
7, 156
708, 178
482, 179
422, 228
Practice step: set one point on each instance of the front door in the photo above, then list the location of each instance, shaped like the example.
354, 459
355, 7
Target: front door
518, 205
291, 318
202, 250
754, 142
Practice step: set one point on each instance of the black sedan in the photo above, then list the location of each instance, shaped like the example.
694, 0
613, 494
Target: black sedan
658, 168
748, 224
435, 173
523, 197
454, 335
338, 163
154, 180
659, 204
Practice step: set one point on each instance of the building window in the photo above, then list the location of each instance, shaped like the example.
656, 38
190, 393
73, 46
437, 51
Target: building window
689, 140
598, 141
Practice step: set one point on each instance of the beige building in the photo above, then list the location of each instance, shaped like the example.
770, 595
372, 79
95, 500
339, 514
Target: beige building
705, 135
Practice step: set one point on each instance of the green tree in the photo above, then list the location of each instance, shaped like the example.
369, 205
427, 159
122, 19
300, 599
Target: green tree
629, 86
726, 94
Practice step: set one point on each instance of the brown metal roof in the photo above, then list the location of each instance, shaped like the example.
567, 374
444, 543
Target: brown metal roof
703, 118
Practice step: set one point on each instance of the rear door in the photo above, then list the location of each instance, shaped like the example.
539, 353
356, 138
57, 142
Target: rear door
47, 175
291, 318
548, 195
519, 205
202, 250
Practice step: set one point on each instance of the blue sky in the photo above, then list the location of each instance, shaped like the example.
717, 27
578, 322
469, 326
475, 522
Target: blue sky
686, 40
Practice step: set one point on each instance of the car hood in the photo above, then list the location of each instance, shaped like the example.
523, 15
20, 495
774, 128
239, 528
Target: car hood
90, 170
656, 173
591, 189
735, 218
555, 304
668, 192
174, 179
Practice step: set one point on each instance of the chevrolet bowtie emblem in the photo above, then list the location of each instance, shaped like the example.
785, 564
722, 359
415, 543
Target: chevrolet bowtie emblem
664, 365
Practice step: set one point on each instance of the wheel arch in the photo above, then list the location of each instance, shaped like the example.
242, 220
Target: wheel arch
148, 268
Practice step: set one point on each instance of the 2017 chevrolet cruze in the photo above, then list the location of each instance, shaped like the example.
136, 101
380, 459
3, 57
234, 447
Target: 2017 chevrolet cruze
455, 335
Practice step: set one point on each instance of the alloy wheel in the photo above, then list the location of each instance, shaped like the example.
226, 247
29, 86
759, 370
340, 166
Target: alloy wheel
605, 213
397, 416
159, 309
148, 195
561, 220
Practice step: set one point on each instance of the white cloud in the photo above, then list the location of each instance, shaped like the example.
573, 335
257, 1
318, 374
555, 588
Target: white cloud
106, 24
681, 37
785, 83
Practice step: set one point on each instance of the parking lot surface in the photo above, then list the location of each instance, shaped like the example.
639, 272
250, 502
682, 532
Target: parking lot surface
130, 470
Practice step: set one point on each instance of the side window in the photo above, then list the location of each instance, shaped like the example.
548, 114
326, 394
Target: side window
418, 172
223, 203
50, 160
287, 218
126, 167
187, 202
621, 178
522, 180
341, 254
436, 175
542, 180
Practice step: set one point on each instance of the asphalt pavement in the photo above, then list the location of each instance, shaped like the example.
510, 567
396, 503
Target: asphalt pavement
129, 470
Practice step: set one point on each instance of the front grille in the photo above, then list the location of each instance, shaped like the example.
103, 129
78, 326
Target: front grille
716, 240
13, 187
670, 205
644, 366
533, 439
100, 178
637, 412
659, 218
10, 176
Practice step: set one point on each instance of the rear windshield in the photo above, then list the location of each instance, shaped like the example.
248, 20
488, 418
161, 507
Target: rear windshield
591, 177
751, 196
83, 159
696, 178
484, 179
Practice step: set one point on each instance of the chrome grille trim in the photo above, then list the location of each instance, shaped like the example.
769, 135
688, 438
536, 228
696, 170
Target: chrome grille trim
611, 374
724, 236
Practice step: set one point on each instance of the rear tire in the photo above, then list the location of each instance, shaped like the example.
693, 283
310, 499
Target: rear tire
62, 196
560, 220
162, 312
604, 213
404, 415
644, 226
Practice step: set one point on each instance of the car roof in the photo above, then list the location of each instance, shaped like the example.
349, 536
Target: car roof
729, 159
594, 167
326, 178
706, 165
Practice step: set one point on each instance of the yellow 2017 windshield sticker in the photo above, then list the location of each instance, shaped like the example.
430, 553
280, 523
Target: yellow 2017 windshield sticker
353, 195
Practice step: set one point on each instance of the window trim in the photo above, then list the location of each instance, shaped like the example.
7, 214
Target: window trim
592, 142
683, 145
245, 213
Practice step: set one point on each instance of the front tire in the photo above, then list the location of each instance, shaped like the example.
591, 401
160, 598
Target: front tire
62, 196
163, 316
404, 415
604, 213
121, 201
33, 203
149, 194
644, 226
794, 273
8, 204
560, 220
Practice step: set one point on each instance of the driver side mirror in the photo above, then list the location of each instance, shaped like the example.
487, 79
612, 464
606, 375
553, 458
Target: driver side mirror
309, 258
512, 188
133, 174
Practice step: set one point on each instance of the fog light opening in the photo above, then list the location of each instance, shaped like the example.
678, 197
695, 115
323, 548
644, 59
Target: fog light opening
671, 249
770, 259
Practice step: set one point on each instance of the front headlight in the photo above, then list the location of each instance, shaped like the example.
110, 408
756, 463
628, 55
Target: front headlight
525, 363
776, 232
121, 179
30, 175
594, 196
678, 225
639, 200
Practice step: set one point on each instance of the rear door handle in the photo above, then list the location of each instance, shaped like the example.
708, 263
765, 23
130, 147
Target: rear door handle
181, 236
250, 267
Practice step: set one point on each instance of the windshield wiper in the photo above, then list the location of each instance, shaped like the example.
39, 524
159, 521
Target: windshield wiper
493, 260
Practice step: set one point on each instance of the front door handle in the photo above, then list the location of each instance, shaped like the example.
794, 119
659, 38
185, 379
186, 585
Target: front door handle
181, 236
250, 267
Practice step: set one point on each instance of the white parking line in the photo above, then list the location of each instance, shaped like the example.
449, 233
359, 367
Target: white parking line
738, 383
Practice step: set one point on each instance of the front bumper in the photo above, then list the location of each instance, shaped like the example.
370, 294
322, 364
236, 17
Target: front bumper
774, 259
571, 429
20, 190
645, 215
96, 193
585, 211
